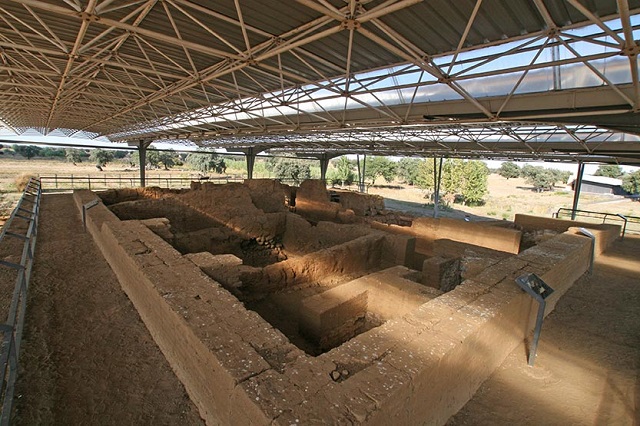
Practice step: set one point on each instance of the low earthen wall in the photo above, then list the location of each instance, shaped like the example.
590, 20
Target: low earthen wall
212, 350
356, 256
425, 366
606, 233
428, 230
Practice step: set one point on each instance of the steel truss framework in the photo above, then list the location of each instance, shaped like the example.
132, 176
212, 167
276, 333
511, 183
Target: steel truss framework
544, 79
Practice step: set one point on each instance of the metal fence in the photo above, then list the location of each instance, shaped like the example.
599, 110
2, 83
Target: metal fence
21, 225
629, 224
56, 183
67, 183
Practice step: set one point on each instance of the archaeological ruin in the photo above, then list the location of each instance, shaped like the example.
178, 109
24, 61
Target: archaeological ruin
283, 305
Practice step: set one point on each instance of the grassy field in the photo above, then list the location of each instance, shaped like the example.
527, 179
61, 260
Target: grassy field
505, 198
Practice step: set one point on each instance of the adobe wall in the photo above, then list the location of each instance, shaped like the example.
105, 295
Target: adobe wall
313, 201
211, 343
427, 230
418, 368
323, 267
423, 367
301, 237
608, 233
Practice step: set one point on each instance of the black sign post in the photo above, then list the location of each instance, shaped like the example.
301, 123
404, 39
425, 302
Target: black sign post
539, 290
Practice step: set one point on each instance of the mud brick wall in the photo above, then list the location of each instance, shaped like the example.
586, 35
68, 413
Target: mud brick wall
113, 196
474, 259
391, 293
182, 218
423, 367
427, 230
322, 267
231, 205
301, 237
267, 194
606, 233
211, 342
418, 368
334, 316
361, 204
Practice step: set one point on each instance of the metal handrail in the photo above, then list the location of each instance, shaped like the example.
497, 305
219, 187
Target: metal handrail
27, 209
605, 216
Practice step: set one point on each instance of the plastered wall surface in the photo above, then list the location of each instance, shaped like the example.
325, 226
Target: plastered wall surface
419, 367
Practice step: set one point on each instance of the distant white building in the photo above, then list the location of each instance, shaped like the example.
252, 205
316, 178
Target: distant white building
599, 185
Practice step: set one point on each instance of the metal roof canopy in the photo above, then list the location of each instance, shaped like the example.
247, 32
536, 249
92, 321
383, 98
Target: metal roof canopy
522, 79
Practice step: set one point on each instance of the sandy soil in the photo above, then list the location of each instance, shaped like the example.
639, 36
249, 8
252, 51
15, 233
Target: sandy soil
87, 358
586, 371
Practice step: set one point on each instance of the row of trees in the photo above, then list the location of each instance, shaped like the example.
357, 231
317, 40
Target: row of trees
462, 181
541, 178
544, 179
466, 181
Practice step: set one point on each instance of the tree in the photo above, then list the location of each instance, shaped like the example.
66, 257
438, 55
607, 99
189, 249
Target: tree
475, 182
342, 172
27, 151
560, 175
408, 170
52, 152
205, 162
73, 155
425, 174
609, 170
101, 157
380, 166
542, 179
631, 182
453, 176
294, 170
509, 170
167, 159
461, 180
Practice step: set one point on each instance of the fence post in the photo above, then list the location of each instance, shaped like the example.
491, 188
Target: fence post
55, 178
89, 180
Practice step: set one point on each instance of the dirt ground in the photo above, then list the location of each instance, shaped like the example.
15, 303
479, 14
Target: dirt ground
86, 356
587, 371
506, 198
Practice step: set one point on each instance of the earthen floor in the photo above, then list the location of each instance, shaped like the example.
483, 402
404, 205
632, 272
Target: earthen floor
88, 358
587, 371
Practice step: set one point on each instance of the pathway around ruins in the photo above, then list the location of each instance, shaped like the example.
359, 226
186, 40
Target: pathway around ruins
587, 371
87, 358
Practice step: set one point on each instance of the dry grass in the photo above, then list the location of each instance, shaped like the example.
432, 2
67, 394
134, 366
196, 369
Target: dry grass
22, 180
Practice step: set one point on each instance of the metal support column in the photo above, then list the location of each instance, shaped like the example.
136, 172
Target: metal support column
142, 153
437, 178
577, 185
364, 173
324, 165
251, 161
